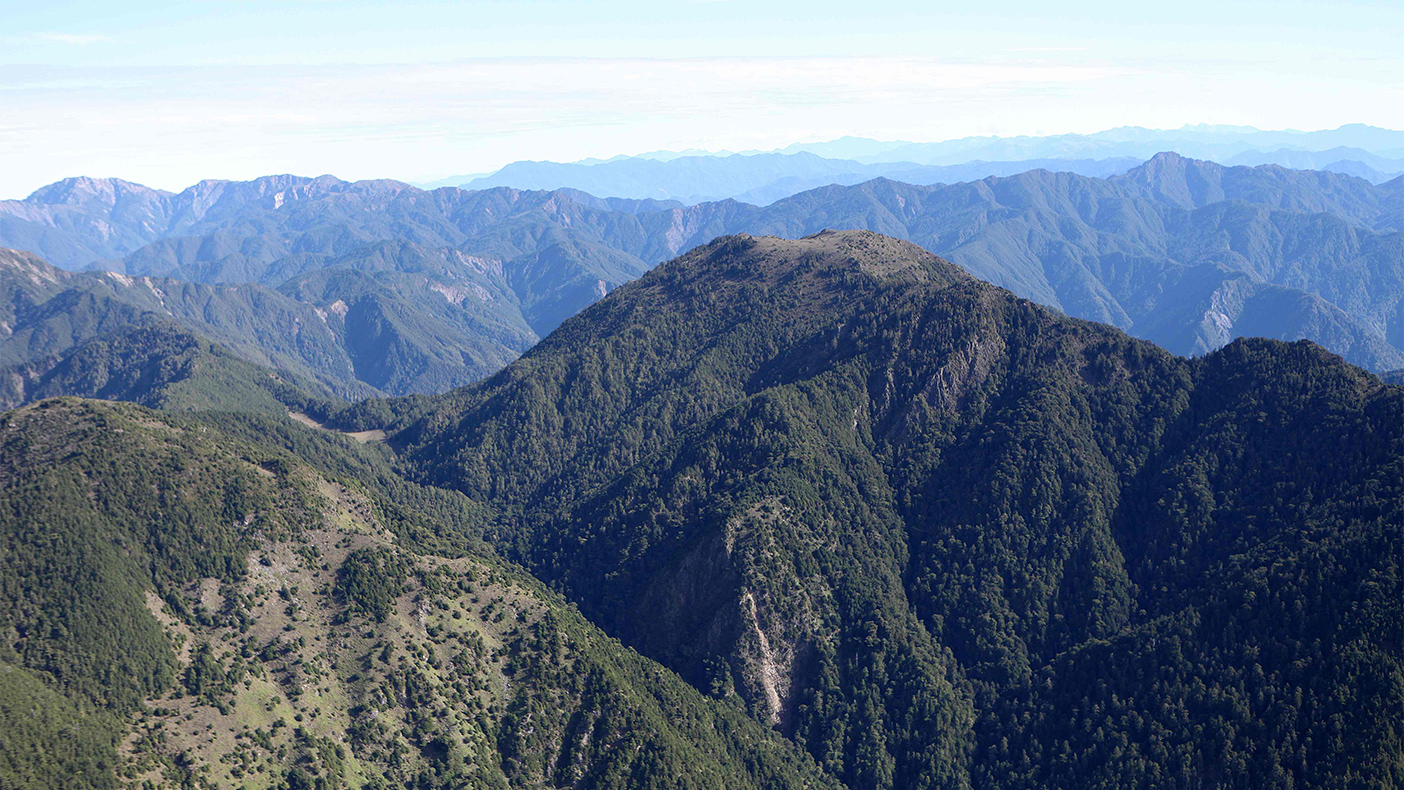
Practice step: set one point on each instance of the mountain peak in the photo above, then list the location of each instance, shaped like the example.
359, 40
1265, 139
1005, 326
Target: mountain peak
1172, 162
1179, 180
823, 254
87, 191
1167, 158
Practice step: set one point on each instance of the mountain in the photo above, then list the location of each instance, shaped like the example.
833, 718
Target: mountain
46, 312
820, 513
940, 536
499, 285
85, 219
1188, 183
1320, 160
763, 177
1187, 253
691, 179
353, 331
1175, 251
225, 231
78, 220
1359, 169
760, 179
186, 606
1203, 141
159, 365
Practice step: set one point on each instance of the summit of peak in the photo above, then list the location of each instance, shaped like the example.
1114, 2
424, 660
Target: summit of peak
81, 190
826, 252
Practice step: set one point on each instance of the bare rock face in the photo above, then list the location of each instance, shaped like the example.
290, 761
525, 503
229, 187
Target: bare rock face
734, 614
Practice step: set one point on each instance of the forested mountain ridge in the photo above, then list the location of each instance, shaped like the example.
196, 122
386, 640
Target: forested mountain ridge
943, 537
1136, 251
47, 312
904, 528
187, 604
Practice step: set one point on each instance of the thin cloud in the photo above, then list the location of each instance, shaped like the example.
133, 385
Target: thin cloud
170, 126
73, 38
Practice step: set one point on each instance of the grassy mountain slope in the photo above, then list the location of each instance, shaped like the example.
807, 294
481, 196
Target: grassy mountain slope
187, 608
942, 537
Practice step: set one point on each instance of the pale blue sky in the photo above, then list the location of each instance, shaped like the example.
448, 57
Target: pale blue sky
167, 93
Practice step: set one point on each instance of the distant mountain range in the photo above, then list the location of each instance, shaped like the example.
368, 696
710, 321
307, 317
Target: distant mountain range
1203, 141
1372, 153
363, 286
756, 178
379, 287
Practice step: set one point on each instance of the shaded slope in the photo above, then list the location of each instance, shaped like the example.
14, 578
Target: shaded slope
407, 333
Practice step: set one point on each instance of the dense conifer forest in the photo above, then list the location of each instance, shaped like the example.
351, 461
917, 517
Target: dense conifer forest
816, 513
